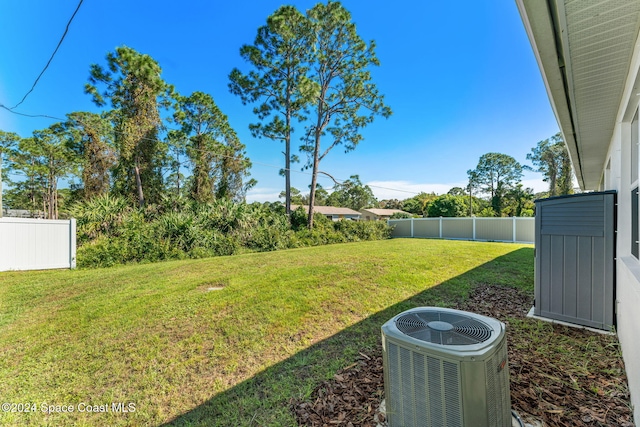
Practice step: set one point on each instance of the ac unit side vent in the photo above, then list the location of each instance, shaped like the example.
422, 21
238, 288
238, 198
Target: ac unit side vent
498, 403
432, 397
444, 328
452, 396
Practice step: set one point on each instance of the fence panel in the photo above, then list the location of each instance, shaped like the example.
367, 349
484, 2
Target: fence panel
37, 244
457, 228
525, 231
424, 227
494, 229
511, 229
401, 227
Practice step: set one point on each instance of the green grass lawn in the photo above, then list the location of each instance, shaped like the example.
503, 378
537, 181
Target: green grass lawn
155, 336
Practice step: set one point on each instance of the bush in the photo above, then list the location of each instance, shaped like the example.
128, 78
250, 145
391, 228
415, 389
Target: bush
102, 215
119, 234
401, 215
178, 229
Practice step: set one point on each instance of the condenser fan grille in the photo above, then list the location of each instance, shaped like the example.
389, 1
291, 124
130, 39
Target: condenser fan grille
443, 328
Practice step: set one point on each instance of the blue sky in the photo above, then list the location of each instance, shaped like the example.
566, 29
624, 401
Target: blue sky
460, 77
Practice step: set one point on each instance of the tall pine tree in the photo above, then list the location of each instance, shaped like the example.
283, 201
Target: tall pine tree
278, 81
131, 83
345, 97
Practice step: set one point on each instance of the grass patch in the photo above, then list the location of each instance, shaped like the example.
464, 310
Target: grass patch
154, 335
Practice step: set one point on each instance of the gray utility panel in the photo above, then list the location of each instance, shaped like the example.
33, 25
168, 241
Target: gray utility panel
575, 252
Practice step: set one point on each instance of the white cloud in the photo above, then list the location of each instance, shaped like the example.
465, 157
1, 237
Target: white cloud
263, 195
407, 189
538, 185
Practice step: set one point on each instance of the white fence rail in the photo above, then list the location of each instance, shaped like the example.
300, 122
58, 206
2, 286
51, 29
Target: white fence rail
37, 244
513, 229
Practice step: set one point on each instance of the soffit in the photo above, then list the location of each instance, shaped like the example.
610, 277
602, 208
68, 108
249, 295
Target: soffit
585, 66
600, 35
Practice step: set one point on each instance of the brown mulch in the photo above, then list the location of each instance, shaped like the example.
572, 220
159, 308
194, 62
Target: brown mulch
557, 389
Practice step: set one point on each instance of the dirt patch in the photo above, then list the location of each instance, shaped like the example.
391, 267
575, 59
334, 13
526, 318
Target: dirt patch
210, 287
559, 375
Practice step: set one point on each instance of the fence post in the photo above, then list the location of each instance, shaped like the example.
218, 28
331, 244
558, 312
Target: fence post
514, 229
72, 243
412, 227
473, 218
441, 227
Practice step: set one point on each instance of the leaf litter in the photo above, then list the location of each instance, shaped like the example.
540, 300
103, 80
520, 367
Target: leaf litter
559, 376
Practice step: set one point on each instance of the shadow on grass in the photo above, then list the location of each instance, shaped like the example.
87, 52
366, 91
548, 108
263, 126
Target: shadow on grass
264, 399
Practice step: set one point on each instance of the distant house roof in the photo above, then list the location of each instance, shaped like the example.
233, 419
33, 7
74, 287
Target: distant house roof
328, 210
382, 212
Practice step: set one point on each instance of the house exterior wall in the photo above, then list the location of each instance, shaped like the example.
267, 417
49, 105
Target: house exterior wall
375, 214
627, 303
617, 175
338, 217
366, 215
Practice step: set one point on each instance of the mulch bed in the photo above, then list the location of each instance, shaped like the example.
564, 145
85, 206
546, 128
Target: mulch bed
556, 394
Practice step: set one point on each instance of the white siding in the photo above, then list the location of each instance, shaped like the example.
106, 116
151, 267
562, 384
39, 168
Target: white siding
627, 267
628, 301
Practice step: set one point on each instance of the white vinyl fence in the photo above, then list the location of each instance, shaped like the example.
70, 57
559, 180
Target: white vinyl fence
513, 229
37, 244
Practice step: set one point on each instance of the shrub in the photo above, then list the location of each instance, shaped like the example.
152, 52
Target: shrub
401, 215
179, 229
119, 234
99, 216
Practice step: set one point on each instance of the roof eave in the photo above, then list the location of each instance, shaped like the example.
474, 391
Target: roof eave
545, 38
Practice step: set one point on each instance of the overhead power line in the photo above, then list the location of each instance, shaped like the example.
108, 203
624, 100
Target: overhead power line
66, 30
30, 115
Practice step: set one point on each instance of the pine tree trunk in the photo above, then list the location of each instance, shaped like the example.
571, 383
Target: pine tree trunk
139, 185
287, 165
314, 177
553, 183
54, 201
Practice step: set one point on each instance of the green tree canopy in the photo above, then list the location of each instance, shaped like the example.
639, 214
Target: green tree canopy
519, 201
43, 160
551, 158
8, 143
495, 174
457, 191
418, 204
352, 194
390, 204
91, 139
218, 160
132, 84
447, 206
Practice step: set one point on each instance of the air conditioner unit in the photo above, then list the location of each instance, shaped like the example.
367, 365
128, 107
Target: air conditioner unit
445, 368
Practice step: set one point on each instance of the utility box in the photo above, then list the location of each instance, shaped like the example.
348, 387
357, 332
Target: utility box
575, 259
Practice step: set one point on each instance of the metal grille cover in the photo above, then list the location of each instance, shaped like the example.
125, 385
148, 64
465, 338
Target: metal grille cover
443, 328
